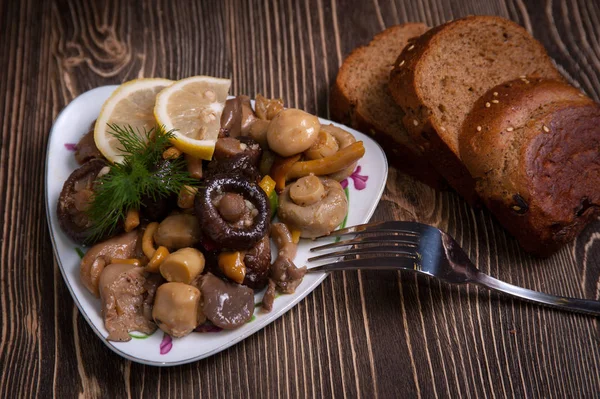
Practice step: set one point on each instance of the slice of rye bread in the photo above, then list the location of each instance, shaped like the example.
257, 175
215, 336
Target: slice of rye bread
360, 98
534, 156
439, 76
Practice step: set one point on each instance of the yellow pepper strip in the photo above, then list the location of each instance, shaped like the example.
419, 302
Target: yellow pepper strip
130, 261
295, 235
331, 164
267, 184
148, 240
159, 256
232, 265
280, 170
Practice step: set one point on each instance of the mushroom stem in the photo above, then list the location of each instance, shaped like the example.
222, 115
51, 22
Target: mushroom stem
184, 265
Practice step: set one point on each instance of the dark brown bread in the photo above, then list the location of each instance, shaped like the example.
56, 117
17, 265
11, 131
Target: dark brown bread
438, 77
360, 98
534, 155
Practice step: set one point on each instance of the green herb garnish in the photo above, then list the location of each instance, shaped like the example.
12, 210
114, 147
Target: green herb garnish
143, 173
79, 252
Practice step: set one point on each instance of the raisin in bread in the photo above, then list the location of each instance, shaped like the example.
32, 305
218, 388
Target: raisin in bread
533, 148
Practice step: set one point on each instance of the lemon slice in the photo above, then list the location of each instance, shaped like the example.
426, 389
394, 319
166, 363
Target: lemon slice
192, 107
132, 104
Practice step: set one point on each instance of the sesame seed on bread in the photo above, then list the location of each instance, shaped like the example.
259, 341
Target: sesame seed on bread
440, 75
360, 98
534, 157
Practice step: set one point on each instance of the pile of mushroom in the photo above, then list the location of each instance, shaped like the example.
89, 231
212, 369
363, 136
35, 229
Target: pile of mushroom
304, 158
199, 259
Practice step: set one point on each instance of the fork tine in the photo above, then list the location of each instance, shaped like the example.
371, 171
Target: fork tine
383, 263
384, 250
411, 228
408, 240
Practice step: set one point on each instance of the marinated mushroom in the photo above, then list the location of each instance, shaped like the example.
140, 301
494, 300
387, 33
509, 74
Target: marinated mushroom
231, 118
286, 275
269, 297
194, 166
178, 231
266, 108
283, 241
257, 262
258, 132
242, 165
229, 147
307, 190
86, 149
155, 208
283, 273
318, 218
127, 297
248, 115
102, 254
183, 266
343, 140
177, 309
232, 207
292, 131
325, 146
237, 117
242, 234
75, 199
226, 305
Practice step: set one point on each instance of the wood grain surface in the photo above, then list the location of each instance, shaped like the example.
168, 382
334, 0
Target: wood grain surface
360, 334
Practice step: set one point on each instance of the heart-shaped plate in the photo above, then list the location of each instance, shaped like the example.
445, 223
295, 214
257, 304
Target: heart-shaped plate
363, 188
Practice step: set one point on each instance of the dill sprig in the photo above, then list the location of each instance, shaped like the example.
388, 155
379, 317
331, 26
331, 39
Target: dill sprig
143, 173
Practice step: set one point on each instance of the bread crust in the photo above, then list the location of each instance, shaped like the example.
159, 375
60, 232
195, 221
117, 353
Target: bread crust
535, 159
483, 137
345, 107
439, 145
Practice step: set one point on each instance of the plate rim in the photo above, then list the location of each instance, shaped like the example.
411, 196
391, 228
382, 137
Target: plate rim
220, 348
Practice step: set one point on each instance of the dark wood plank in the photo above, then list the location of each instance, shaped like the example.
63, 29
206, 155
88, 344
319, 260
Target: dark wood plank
361, 334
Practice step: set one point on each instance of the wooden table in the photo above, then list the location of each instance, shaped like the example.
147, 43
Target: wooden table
368, 334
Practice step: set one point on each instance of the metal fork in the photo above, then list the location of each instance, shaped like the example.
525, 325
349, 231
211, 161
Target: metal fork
424, 250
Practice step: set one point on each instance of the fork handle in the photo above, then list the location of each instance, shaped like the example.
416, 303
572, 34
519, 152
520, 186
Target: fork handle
572, 304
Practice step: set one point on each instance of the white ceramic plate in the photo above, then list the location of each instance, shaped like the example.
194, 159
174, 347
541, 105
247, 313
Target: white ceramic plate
158, 349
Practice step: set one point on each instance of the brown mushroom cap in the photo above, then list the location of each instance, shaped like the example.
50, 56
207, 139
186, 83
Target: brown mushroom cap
227, 305
74, 199
319, 218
